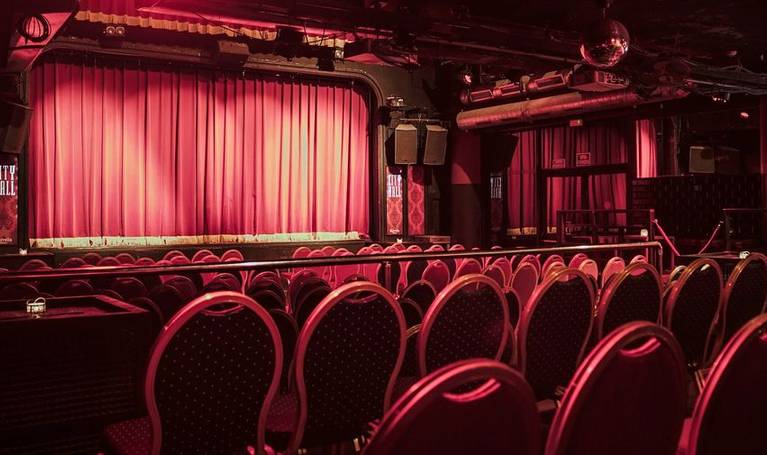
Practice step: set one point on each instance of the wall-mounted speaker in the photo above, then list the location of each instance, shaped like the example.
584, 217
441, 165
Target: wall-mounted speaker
14, 123
435, 145
402, 145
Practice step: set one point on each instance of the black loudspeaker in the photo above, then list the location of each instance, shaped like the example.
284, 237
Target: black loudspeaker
435, 145
14, 123
498, 150
402, 145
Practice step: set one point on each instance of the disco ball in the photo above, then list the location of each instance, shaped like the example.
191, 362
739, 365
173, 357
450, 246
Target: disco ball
605, 43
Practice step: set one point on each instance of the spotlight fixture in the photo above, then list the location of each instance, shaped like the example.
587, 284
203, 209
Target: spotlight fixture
721, 98
466, 78
745, 115
114, 31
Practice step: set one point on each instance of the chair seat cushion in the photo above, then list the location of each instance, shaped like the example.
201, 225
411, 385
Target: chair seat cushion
129, 437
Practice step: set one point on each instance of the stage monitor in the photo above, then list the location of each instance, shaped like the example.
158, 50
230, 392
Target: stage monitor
435, 145
402, 145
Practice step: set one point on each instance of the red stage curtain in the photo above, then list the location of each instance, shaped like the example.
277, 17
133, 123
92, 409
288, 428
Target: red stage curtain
521, 185
646, 149
130, 151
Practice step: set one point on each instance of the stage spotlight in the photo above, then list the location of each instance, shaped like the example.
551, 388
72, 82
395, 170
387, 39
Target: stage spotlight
745, 115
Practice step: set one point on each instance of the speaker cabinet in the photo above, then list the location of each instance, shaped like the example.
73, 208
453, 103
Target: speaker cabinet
435, 146
402, 145
14, 123
702, 160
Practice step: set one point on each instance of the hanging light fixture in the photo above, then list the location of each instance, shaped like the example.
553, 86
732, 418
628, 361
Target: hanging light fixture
605, 42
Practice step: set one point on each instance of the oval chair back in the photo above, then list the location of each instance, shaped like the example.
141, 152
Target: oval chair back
376, 248
552, 259
230, 405
591, 269
729, 413
302, 288
576, 260
496, 273
201, 254
468, 266
348, 356
73, 263
468, 319
613, 266
553, 331
171, 254
422, 293
301, 252
34, 264
496, 415
232, 256
745, 295
126, 258
505, 265
308, 301
129, 287
328, 250
632, 295
342, 272
181, 260
690, 309
524, 281
532, 259
551, 267
71, 288
412, 312
144, 262
168, 299
632, 387
92, 258
185, 286
638, 258
437, 274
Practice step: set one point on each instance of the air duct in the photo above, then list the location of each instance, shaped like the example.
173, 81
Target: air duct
557, 106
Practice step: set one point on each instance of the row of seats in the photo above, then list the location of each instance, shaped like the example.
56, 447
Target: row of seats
632, 385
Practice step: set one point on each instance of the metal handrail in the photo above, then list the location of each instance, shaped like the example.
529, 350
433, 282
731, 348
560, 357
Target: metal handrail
386, 259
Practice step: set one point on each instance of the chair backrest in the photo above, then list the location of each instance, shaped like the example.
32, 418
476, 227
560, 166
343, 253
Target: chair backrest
435, 248
232, 256
498, 416
129, 287
638, 258
308, 301
223, 282
411, 310
552, 259
437, 274
74, 287
550, 267
729, 414
634, 294
328, 250
468, 319
553, 330
524, 281
301, 252
576, 260
168, 299
348, 356
590, 268
505, 265
109, 261
532, 259
126, 258
341, 272
73, 263
145, 261
171, 254
20, 290
92, 258
613, 266
181, 260
414, 271
414, 249
692, 305
288, 334
376, 248
201, 254
306, 285
34, 264
468, 267
229, 385
185, 286
497, 274
745, 294
395, 271
421, 292
627, 397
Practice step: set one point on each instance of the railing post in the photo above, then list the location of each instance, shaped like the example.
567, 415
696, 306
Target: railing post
387, 276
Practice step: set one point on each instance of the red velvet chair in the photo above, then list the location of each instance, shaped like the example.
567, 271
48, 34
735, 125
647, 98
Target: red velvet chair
126, 258
627, 397
204, 396
532, 259
92, 258
144, 262
496, 273
185, 286
498, 416
690, 309
437, 274
591, 269
348, 355
308, 299
468, 319
468, 267
109, 261
232, 256
745, 297
524, 281
411, 310
341, 272
168, 299
301, 252
634, 294
505, 265
129, 287
73, 263
613, 266
34, 264
201, 254
421, 292
576, 260
74, 287
552, 259
729, 416
553, 331
171, 254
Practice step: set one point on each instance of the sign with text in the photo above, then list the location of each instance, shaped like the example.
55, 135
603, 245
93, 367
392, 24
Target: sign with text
9, 199
394, 201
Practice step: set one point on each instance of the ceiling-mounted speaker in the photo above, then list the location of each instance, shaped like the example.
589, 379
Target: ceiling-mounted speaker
435, 145
402, 145
14, 123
